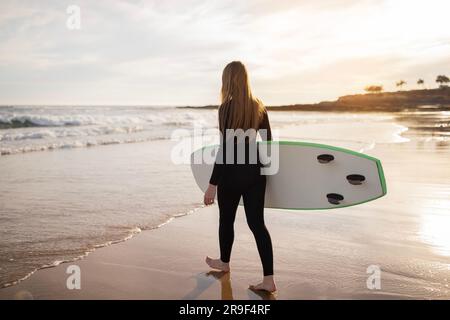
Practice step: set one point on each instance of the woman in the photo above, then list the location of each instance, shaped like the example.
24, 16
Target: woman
240, 110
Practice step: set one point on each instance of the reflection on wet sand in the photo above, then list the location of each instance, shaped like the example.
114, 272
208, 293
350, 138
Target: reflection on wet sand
429, 123
264, 295
205, 280
225, 283
203, 283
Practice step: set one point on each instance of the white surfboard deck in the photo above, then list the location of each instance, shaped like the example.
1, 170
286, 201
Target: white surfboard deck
303, 183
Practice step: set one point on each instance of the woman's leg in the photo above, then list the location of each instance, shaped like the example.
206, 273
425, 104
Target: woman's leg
228, 200
254, 211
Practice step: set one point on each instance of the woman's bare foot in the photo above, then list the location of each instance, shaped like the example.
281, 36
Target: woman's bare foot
217, 264
268, 285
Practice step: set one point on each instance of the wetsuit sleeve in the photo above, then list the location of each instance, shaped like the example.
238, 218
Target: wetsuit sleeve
265, 124
218, 167
219, 163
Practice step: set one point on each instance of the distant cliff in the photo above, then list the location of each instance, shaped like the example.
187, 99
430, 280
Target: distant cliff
386, 101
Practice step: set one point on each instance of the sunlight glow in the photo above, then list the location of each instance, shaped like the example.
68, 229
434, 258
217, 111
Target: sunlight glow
435, 224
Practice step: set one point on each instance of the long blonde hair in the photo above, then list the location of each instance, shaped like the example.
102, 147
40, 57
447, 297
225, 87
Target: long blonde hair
247, 110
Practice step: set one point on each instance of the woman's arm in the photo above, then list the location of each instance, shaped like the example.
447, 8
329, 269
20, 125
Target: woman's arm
216, 175
218, 164
218, 169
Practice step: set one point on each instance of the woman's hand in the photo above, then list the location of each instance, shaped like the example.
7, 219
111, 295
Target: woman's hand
210, 194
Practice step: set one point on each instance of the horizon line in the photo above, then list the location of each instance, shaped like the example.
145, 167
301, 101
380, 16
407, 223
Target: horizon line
191, 105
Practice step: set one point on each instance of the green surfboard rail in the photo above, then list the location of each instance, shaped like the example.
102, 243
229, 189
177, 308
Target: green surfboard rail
333, 148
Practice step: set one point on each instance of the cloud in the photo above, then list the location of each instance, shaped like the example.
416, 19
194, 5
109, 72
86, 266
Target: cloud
172, 52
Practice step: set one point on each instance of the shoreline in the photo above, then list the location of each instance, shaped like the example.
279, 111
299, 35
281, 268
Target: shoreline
20, 289
196, 282
134, 232
56, 263
162, 264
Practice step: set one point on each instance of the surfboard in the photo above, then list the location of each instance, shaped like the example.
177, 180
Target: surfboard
309, 176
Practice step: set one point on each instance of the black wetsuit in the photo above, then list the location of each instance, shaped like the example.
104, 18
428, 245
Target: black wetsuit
236, 180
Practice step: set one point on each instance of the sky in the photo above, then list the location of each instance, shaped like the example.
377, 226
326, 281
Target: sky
172, 52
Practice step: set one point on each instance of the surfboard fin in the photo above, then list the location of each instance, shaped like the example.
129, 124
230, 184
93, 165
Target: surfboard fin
335, 198
325, 158
356, 179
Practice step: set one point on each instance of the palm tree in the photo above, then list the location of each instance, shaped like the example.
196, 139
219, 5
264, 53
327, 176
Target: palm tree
401, 83
373, 89
421, 83
442, 80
